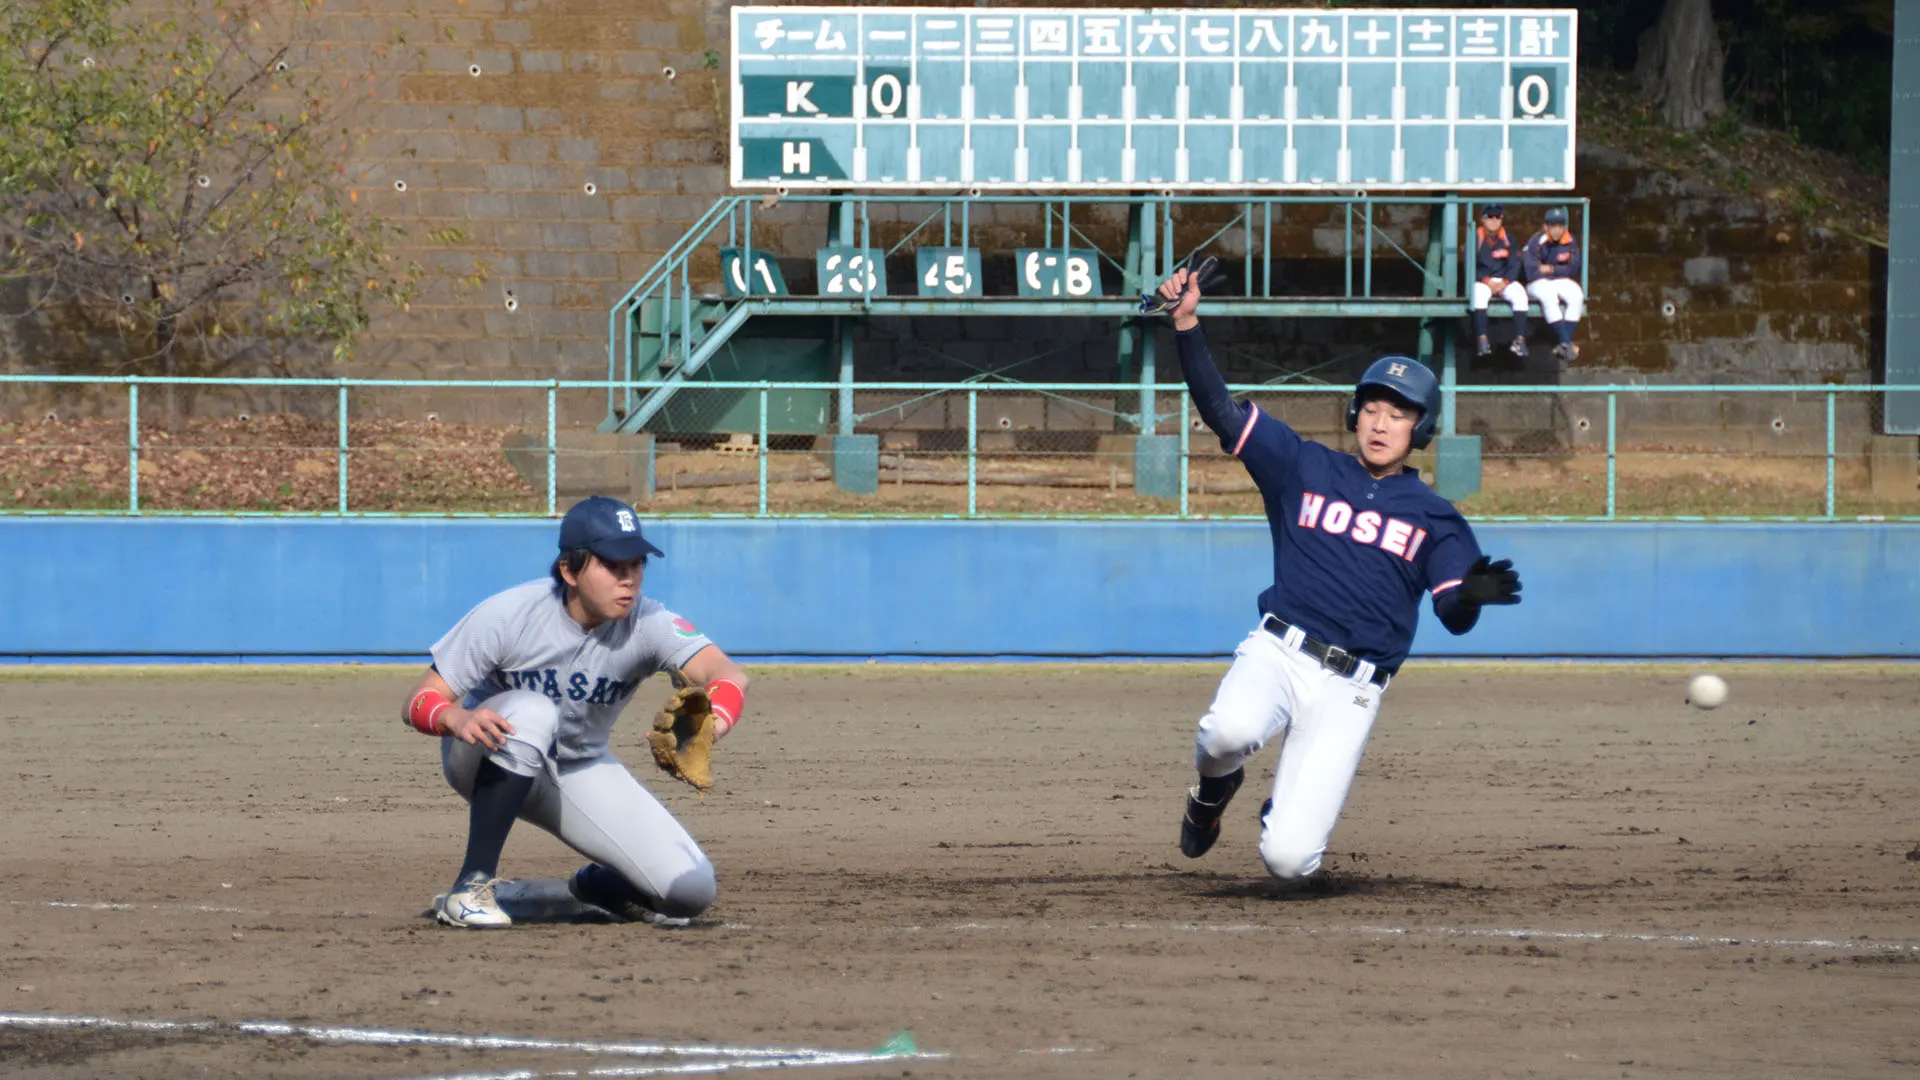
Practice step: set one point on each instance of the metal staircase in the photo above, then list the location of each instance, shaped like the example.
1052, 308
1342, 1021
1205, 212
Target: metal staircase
672, 350
717, 307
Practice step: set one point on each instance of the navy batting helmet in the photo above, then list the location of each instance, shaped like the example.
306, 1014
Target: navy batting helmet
1557, 216
1407, 379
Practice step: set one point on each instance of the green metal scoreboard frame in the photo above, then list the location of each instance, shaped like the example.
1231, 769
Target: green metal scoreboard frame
1088, 100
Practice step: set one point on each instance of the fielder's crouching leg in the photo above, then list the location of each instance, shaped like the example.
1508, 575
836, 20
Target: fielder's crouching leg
535, 721
690, 890
689, 894
642, 857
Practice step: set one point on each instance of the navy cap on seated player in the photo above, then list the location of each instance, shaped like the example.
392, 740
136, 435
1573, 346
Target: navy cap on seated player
1357, 537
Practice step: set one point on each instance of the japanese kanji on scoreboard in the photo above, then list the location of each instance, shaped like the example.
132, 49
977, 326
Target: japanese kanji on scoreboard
1093, 99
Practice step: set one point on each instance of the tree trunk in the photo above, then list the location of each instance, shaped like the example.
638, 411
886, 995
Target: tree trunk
166, 339
1681, 67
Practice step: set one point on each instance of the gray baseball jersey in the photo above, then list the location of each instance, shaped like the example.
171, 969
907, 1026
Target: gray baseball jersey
523, 639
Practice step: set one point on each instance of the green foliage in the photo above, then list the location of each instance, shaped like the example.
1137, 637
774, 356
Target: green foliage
181, 179
1823, 72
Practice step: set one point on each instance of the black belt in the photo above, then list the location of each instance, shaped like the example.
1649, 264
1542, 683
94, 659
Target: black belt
1332, 657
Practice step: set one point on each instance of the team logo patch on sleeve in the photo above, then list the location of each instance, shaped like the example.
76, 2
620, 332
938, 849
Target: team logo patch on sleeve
685, 628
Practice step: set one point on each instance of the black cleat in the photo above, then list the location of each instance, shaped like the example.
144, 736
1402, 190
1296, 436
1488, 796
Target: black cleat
1201, 825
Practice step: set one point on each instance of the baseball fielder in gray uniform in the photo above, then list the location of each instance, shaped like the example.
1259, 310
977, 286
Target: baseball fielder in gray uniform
523, 693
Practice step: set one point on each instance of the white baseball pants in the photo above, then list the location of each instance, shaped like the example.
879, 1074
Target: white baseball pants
1515, 294
1560, 299
595, 807
1272, 688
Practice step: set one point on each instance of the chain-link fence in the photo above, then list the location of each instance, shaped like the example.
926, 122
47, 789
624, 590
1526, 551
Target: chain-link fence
972, 449
264, 447
64, 452
1595, 452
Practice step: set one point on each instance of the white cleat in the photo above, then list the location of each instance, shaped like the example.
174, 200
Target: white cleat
472, 906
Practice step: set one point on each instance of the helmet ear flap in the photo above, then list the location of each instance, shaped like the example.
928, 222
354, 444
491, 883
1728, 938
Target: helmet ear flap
1423, 431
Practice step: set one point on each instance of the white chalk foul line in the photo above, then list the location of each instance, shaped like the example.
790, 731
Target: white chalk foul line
74, 905
1515, 933
621, 1072
1509, 933
355, 1036
208, 909
1527, 934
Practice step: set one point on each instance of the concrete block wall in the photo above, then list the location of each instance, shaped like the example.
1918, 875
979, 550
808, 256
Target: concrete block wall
570, 93
1693, 284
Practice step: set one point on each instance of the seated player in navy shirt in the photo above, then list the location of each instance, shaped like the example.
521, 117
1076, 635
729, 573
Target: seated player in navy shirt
1358, 539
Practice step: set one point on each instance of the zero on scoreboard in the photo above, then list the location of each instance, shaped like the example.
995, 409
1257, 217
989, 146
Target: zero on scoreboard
1128, 99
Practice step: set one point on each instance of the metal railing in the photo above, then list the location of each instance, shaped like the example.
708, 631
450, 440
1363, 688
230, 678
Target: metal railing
673, 302
1191, 458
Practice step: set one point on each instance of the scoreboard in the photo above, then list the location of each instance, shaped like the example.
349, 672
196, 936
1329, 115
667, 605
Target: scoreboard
1086, 99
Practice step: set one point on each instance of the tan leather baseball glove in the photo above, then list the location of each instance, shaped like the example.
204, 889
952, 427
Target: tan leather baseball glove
682, 735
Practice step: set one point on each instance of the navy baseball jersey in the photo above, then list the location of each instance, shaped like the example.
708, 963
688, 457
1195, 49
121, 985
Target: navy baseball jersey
1351, 554
1495, 256
1541, 252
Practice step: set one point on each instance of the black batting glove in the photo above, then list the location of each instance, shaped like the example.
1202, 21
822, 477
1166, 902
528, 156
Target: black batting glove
1489, 582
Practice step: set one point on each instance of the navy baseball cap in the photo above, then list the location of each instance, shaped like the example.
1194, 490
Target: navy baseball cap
1556, 216
607, 527
1493, 209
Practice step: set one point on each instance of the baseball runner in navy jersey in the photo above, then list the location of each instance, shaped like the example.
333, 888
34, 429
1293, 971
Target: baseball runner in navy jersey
523, 693
1358, 540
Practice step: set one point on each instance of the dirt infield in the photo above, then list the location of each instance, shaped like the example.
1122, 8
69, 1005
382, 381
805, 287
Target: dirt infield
1543, 871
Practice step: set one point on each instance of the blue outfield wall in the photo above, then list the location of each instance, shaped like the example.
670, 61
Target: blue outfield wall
386, 589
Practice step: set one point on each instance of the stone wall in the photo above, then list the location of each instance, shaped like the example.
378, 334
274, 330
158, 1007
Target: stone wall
569, 93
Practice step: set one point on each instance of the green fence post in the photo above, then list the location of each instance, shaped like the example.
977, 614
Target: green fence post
553, 448
840, 216
1612, 448
973, 452
1347, 281
1366, 256
1186, 428
866, 242
1266, 250
343, 447
1149, 250
133, 446
763, 449
1829, 453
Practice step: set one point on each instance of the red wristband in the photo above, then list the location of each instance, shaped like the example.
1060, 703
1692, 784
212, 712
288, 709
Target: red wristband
728, 703
425, 709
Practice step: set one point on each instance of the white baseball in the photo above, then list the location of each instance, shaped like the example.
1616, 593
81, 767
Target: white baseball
1707, 692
